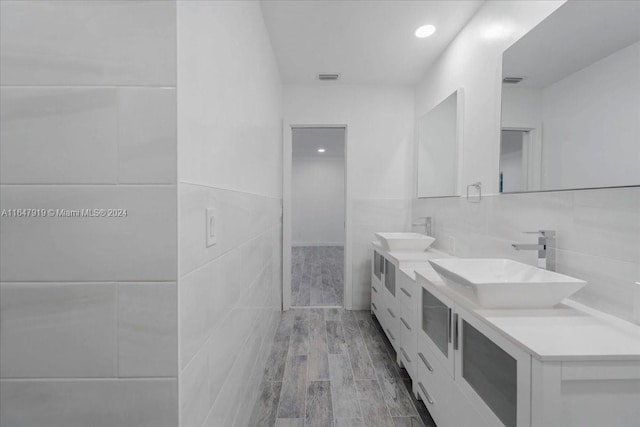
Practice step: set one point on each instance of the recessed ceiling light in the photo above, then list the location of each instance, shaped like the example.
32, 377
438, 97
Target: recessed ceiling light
425, 31
321, 150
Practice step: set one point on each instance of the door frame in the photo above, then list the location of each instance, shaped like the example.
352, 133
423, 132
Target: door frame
287, 161
531, 156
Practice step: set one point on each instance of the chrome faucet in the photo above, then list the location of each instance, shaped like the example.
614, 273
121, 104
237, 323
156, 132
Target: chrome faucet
546, 248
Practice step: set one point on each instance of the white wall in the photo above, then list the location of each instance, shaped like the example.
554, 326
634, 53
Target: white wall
380, 145
317, 196
88, 305
230, 158
598, 230
592, 117
473, 62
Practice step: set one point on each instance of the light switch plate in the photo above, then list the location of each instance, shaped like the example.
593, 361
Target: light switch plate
210, 228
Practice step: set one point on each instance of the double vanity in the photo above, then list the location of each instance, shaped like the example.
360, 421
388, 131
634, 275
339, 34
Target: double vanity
491, 342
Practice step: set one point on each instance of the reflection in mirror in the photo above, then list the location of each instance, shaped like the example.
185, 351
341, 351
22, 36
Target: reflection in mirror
571, 100
437, 135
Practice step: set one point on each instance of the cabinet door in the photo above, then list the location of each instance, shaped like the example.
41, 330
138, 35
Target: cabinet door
377, 265
435, 326
390, 277
493, 372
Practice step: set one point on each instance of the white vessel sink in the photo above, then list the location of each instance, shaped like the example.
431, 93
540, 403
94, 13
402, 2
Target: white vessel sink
503, 283
405, 242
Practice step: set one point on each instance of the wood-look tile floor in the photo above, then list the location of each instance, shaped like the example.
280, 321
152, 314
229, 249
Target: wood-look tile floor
316, 275
335, 368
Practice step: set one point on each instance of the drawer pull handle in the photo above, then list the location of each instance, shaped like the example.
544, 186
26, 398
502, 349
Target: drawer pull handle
374, 289
374, 306
406, 356
405, 292
391, 335
391, 313
426, 363
426, 395
404, 322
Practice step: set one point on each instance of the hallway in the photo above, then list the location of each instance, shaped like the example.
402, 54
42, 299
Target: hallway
331, 367
317, 276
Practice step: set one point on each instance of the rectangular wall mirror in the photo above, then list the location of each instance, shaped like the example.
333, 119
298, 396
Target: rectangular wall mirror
571, 100
438, 140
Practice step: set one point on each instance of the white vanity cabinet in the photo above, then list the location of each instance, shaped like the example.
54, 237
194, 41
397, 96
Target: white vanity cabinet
491, 375
559, 367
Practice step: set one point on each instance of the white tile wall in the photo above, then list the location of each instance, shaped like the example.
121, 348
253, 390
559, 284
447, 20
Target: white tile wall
370, 216
240, 216
235, 280
95, 403
88, 135
58, 330
58, 135
89, 305
598, 236
147, 135
147, 330
88, 43
138, 247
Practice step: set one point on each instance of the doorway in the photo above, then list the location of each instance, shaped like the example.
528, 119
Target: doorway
317, 217
520, 160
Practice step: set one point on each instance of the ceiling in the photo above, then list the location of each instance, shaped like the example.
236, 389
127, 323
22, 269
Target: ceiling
306, 142
574, 36
365, 41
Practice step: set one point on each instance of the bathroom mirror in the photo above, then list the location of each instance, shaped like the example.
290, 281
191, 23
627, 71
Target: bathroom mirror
437, 136
571, 100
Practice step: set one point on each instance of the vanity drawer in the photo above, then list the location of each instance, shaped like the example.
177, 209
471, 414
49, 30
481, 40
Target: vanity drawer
391, 325
376, 300
407, 294
435, 389
408, 353
408, 334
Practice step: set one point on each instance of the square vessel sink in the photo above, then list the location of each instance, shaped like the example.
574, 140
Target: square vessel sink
405, 242
504, 283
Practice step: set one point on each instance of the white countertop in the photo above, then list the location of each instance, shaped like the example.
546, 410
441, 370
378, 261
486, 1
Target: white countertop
568, 332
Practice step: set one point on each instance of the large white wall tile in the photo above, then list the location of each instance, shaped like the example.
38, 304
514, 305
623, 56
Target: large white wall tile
58, 330
610, 282
95, 403
607, 223
88, 43
511, 215
598, 236
369, 216
58, 136
240, 217
147, 145
147, 330
195, 398
140, 246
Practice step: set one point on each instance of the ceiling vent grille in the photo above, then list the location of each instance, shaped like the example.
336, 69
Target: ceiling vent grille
328, 76
512, 80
